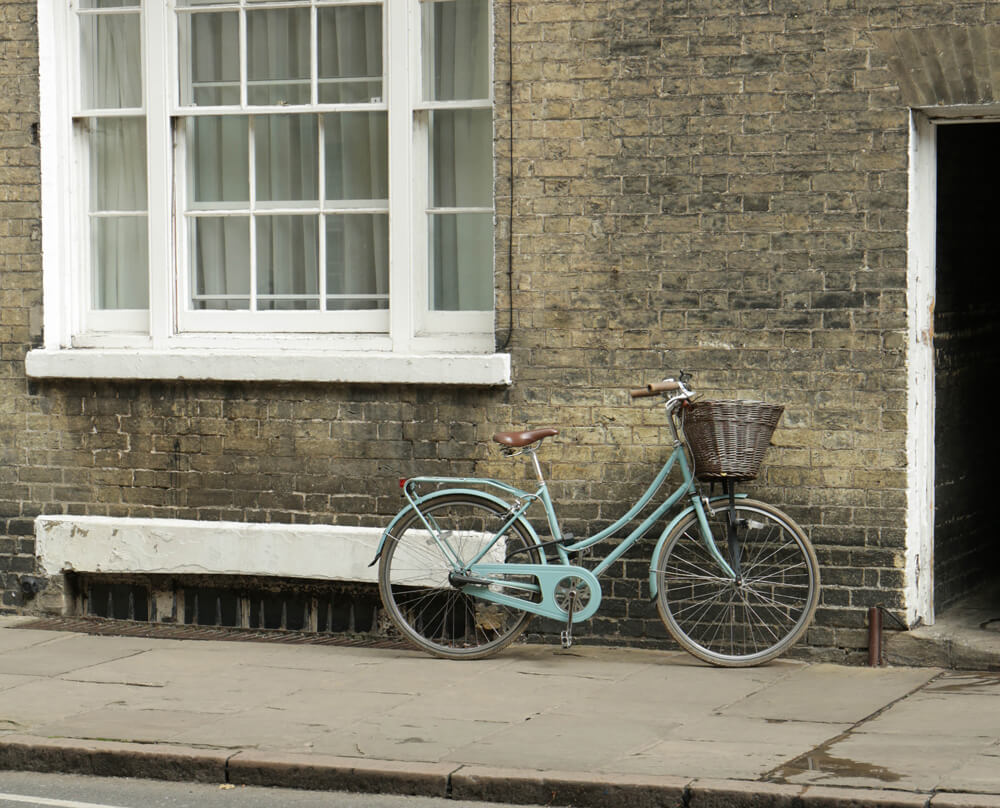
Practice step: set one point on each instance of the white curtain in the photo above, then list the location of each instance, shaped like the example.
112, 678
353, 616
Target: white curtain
111, 79
456, 67
286, 165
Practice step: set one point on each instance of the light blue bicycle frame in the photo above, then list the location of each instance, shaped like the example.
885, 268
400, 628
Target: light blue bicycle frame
549, 575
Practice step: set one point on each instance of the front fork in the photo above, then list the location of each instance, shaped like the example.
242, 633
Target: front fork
732, 533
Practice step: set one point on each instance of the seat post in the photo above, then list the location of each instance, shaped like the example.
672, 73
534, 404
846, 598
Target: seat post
538, 467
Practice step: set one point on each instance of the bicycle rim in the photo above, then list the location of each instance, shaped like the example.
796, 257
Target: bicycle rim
413, 579
730, 624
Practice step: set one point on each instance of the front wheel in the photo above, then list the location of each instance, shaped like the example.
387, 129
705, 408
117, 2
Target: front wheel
413, 577
746, 622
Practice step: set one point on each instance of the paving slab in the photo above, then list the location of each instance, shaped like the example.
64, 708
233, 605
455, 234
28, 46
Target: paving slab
9, 680
965, 715
13, 641
128, 726
831, 693
684, 684
551, 739
979, 773
867, 760
737, 760
972, 683
67, 652
256, 730
45, 700
425, 739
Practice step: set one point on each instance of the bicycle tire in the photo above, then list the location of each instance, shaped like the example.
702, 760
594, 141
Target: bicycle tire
732, 625
435, 616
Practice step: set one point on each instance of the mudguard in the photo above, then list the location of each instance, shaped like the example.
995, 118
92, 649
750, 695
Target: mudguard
665, 535
437, 495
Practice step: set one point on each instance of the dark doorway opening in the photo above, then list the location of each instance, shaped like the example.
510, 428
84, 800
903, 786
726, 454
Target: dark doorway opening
966, 361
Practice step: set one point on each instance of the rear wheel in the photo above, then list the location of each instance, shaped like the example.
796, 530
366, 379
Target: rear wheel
413, 578
738, 623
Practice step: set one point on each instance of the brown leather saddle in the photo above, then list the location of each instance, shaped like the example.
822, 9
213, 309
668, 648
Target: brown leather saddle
515, 440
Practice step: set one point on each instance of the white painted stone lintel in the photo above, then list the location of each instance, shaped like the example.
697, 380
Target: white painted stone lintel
181, 546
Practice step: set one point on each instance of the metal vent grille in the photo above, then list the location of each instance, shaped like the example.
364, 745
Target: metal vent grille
234, 602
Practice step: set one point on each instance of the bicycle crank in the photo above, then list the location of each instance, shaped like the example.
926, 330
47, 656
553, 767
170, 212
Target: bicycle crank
570, 594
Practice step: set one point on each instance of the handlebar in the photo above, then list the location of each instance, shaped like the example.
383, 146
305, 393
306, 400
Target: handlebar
656, 388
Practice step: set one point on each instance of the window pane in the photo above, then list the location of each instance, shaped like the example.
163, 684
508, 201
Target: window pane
287, 262
278, 56
109, 4
120, 255
220, 260
357, 155
357, 262
461, 259
287, 158
350, 54
110, 61
456, 49
462, 158
117, 164
219, 153
209, 58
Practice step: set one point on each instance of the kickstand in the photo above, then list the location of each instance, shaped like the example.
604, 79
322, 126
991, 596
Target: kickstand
566, 636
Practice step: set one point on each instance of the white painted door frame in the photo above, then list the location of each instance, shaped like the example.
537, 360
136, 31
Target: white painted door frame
922, 238
921, 290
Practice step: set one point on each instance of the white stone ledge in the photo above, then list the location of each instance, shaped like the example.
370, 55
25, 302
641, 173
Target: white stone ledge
182, 546
362, 367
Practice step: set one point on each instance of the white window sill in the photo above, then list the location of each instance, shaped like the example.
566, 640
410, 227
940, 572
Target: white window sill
201, 364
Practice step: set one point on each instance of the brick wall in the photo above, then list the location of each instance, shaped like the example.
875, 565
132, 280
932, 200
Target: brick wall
713, 185
20, 282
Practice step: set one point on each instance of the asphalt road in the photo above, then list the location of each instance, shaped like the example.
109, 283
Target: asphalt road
33, 790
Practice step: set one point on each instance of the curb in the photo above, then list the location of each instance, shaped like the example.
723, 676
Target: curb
566, 788
328, 773
448, 780
113, 759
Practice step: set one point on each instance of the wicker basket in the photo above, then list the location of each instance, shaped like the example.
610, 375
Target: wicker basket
728, 439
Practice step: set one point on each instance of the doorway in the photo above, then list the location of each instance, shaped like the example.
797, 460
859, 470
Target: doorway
966, 356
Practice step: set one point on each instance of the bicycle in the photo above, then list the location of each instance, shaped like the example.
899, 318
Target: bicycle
462, 571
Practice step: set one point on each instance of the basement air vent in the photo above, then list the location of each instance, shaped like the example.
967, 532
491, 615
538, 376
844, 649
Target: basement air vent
235, 602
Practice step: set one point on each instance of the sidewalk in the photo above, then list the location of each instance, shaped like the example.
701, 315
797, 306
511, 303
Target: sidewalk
589, 726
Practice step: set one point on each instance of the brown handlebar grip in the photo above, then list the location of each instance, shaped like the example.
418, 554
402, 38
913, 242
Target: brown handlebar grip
655, 388
664, 386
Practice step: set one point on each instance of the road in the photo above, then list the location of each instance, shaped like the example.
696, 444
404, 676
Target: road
34, 790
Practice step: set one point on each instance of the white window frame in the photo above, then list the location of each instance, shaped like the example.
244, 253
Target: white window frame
82, 343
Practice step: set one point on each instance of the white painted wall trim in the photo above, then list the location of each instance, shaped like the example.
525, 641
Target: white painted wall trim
922, 228
181, 546
282, 366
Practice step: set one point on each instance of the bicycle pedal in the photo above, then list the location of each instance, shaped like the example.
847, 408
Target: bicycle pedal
566, 639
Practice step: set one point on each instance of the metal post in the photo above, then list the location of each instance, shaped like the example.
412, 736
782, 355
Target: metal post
874, 637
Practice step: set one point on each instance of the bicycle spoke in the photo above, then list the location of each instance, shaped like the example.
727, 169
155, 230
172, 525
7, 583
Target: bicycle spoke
440, 618
735, 623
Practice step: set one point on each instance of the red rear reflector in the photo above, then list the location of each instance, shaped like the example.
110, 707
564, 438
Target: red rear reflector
402, 482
